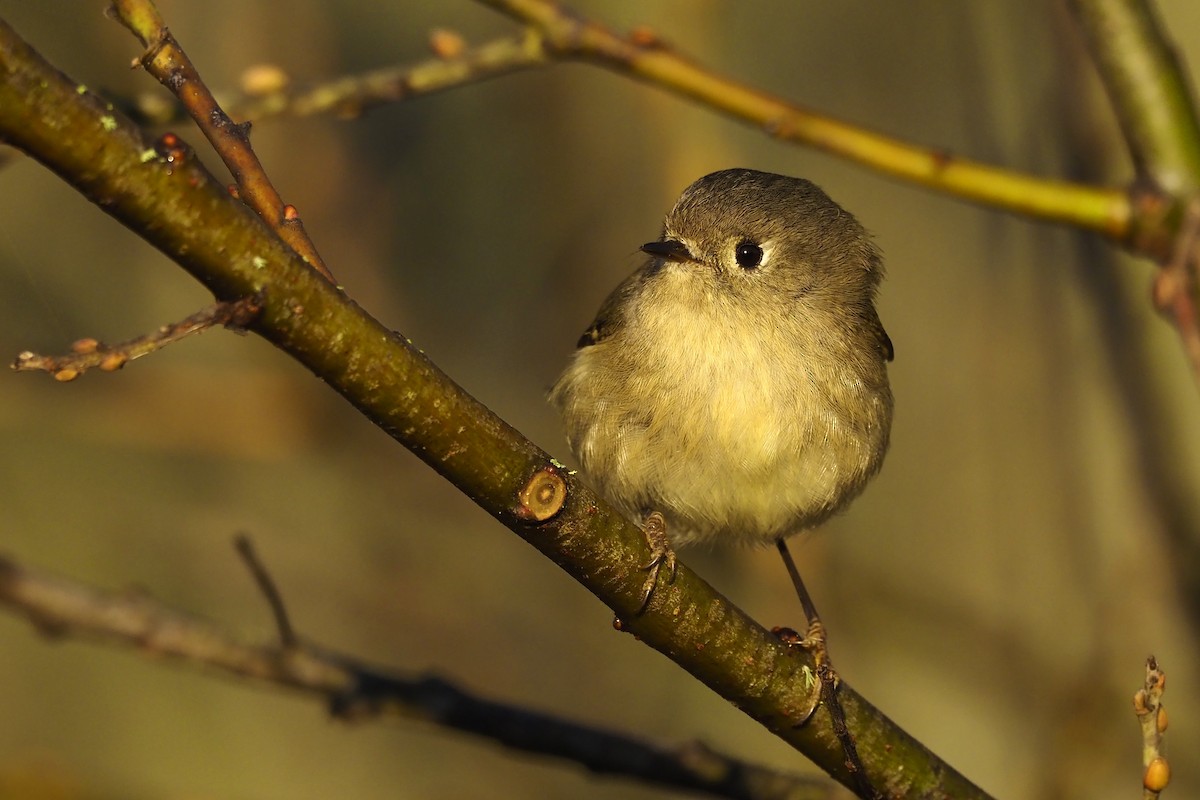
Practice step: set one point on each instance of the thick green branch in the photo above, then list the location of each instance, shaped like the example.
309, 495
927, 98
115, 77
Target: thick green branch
181, 209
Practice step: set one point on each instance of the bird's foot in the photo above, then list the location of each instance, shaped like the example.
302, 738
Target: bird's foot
819, 679
661, 555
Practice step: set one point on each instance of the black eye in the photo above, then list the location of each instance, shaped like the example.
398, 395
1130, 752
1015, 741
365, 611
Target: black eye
748, 254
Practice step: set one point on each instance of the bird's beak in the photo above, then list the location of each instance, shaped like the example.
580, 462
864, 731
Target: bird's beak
669, 249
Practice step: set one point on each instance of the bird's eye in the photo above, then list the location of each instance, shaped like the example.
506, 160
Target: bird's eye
748, 254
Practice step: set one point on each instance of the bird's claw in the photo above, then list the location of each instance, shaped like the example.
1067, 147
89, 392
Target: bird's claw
818, 679
661, 555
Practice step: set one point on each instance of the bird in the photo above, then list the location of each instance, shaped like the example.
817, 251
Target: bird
734, 388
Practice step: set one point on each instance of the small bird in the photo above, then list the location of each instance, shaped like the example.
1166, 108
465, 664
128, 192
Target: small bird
734, 388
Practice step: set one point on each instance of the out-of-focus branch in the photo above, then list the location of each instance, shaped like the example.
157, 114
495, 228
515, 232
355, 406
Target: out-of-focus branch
1143, 76
569, 35
1145, 83
267, 91
1149, 92
555, 33
166, 61
62, 607
356, 94
182, 210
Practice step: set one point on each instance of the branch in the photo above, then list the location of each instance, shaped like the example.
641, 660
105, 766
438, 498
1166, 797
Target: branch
354, 690
570, 36
266, 93
88, 353
1150, 95
182, 210
166, 61
356, 94
555, 34
1145, 83
1152, 716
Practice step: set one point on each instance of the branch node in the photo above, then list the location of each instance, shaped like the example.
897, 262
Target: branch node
542, 497
1173, 291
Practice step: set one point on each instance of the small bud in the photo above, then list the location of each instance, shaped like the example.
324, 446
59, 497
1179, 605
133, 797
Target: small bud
85, 347
642, 36
66, 374
113, 362
264, 79
446, 43
1161, 721
1157, 775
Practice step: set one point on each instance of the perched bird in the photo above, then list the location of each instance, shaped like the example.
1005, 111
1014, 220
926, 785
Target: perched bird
734, 388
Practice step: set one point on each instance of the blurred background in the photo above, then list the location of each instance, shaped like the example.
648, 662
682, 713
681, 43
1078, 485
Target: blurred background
995, 591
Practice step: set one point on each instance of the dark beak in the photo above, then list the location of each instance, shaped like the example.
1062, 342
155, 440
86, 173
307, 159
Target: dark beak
669, 249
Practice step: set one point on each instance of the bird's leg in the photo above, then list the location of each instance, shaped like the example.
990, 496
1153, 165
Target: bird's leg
655, 530
826, 684
814, 635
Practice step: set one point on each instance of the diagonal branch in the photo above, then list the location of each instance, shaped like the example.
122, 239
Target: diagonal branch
554, 34
356, 94
642, 55
353, 95
182, 210
166, 61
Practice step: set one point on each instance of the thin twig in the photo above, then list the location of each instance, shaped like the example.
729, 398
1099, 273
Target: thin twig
166, 61
1147, 704
353, 95
88, 353
556, 33
644, 55
266, 585
354, 690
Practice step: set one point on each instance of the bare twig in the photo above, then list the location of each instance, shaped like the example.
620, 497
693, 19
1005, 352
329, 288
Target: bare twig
88, 353
568, 34
166, 61
266, 91
556, 33
245, 548
354, 95
1147, 704
354, 690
